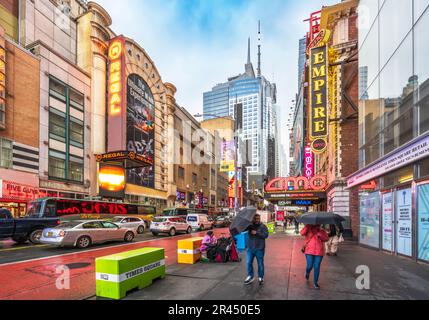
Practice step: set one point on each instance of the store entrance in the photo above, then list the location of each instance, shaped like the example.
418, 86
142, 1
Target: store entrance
18, 209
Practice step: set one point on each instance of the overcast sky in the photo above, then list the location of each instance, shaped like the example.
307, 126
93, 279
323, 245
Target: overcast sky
196, 44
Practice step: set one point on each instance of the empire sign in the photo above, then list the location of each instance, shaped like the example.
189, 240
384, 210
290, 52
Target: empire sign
319, 98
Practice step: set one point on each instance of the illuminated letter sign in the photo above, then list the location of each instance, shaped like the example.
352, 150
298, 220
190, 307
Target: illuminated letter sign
116, 94
309, 163
316, 183
319, 98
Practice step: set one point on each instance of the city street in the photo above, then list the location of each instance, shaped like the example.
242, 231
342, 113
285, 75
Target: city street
390, 277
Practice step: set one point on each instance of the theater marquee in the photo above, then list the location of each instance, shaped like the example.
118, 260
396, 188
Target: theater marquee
319, 98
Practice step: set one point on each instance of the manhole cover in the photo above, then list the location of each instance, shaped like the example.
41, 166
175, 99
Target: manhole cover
73, 266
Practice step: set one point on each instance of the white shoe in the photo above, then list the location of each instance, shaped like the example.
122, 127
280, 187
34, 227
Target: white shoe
249, 280
261, 281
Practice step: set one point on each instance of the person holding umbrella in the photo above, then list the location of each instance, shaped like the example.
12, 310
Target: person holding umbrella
315, 239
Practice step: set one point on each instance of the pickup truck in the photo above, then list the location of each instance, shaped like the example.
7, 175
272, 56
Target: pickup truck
23, 229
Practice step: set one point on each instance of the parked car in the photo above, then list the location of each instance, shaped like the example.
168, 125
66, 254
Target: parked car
222, 222
135, 223
23, 229
170, 226
199, 221
82, 234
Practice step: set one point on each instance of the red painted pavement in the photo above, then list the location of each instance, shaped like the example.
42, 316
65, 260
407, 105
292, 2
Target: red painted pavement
36, 280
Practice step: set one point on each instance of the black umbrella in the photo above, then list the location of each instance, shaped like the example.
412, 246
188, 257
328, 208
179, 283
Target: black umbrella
242, 221
319, 218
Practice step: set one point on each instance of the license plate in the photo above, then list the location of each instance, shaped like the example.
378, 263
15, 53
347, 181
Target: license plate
155, 224
50, 234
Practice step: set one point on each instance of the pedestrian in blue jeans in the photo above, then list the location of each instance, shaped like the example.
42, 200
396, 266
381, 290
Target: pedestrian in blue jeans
258, 233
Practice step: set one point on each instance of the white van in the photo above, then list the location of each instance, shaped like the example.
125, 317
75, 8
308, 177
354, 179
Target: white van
199, 221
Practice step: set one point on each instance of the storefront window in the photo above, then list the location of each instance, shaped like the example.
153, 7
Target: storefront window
424, 168
387, 225
423, 222
6, 153
370, 219
400, 176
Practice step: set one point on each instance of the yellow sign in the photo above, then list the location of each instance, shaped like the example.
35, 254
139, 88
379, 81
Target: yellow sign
227, 166
319, 98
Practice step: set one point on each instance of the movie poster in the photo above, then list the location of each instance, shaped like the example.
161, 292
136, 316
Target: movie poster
141, 129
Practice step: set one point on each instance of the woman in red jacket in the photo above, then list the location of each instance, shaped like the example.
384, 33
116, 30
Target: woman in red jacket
314, 250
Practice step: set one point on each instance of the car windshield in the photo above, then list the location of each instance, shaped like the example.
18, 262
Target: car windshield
117, 219
34, 210
169, 212
159, 219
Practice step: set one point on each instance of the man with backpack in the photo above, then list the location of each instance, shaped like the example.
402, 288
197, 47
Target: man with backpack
258, 233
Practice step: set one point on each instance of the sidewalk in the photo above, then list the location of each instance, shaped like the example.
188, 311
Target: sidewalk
391, 277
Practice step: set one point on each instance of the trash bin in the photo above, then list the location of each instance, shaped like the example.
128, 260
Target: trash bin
188, 250
241, 240
120, 273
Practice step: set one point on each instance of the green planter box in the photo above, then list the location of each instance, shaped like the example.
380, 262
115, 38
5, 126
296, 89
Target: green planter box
271, 228
119, 273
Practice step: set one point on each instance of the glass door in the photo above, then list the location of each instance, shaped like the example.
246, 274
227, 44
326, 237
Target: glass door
404, 222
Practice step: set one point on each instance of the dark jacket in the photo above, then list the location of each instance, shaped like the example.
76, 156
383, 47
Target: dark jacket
257, 242
335, 230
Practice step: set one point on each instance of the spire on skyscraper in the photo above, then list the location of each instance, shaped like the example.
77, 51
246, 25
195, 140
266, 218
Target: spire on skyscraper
250, 72
248, 52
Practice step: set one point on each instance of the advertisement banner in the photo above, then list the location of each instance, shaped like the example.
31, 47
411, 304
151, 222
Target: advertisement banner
387, 212
423, 222
404, 217
309, 163
370, 219
141, 129
111, 181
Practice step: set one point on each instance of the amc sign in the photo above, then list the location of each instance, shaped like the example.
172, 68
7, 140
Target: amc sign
317, 183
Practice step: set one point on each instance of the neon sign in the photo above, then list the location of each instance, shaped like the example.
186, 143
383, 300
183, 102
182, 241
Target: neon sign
116, 95
292, 184
309, 163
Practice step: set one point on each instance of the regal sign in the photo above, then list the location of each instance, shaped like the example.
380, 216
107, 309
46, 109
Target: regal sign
116, 95
309, 163
299, 184
319, 97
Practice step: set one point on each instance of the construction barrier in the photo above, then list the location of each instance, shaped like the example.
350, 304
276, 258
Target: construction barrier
241, 240
120, 273
188, 250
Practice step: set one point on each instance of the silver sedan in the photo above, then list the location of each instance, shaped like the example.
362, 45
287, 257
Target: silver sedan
82, 234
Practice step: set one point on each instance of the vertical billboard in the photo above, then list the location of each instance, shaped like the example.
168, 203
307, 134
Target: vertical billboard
404, 235
111, 181
309, 163
318, 113
116, 111
423, 222
141, 129
387, 214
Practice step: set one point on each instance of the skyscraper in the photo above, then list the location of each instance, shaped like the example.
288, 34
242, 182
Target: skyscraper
257, 95
301, 60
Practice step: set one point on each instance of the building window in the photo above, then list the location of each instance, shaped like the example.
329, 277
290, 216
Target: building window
194, 178
57, 125
57, 165
76, 133
181, 173
67, 129
6, 153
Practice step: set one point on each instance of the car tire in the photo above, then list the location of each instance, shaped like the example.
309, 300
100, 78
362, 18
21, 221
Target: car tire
35, 236
172, 232
83, 242
155, 234
140, 229
189, 231
129, 237
20, 240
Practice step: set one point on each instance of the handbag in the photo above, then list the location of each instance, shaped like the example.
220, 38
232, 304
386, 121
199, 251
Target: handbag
306, 244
